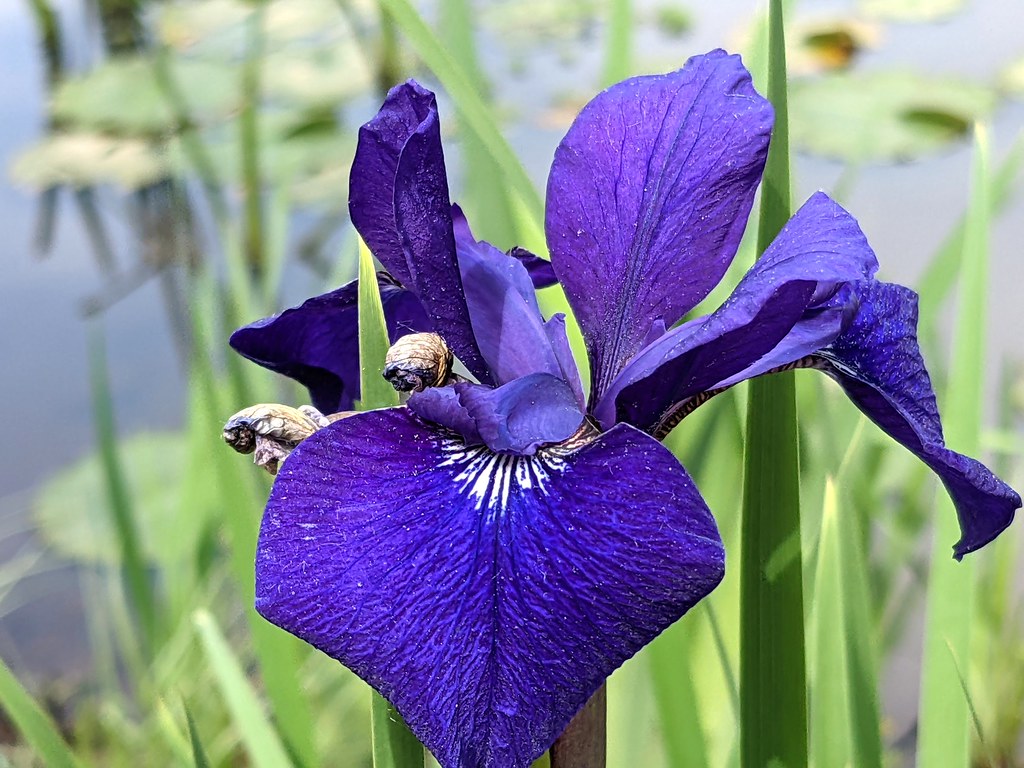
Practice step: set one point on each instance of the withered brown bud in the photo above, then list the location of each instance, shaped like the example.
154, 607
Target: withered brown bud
271, 431
418, 361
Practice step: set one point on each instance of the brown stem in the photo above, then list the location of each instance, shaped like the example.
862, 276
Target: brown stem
582, 743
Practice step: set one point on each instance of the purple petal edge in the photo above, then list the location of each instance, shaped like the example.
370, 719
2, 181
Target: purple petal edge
317, 342
486, 596
398, 201
879, 365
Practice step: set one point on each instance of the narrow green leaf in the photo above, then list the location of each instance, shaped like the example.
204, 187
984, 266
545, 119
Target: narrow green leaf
676, 698
830, 730
35, 726
487, 204
618, 53
394, 746
259, 736
140, 591
248, 126
844, 697
944, 736
773, 719
941, 275
199, 759
243, 492
373, 337
467, 99
860, 632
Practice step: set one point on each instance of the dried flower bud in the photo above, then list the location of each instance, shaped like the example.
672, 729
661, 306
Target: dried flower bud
271, 431
418, 361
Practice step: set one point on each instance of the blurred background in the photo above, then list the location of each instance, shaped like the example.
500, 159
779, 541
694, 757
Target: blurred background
173, 169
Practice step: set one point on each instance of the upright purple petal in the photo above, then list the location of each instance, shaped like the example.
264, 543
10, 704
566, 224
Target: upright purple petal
317, 343
398, 200
542, 274
648, 197
486, 596
507, 323
878, 363
792, 302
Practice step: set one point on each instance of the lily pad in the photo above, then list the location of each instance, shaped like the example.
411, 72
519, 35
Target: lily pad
72, 511
910, 10
84, 159
122, 95
316, 76
218, 27
883, 116
308, 152
828, 44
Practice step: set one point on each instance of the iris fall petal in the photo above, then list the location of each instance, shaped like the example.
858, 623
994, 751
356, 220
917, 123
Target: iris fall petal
487, 596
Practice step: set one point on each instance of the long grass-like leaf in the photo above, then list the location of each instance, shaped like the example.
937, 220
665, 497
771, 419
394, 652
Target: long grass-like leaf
248, 125
830, 730
243, 493
394, 746
773, 716
259, 736
35, 726
199, 759
944, 735
375, 390
140, 592
844, 697
619, 42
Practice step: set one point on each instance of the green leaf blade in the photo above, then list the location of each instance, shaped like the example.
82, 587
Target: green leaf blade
35, 726
944, 712
375, 390
773, 715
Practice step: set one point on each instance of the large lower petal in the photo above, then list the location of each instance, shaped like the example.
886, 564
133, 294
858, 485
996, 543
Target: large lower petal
398, 200
793, 301
878, 363
317, 343
486, 596
648, 197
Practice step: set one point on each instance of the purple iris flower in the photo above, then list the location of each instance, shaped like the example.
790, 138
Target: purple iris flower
488, 554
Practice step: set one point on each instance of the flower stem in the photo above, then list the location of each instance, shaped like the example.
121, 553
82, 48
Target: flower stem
583, 742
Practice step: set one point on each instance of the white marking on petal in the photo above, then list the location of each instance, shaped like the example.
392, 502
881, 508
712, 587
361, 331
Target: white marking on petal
492, 479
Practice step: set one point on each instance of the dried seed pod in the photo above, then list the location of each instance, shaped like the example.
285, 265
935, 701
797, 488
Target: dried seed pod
270, 431
418, 361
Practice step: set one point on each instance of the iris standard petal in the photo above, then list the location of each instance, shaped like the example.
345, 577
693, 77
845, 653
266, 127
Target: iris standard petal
799, 279
648, 197
542, 274
317, 343
486, 596
398, 200
509, 329
878, 363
